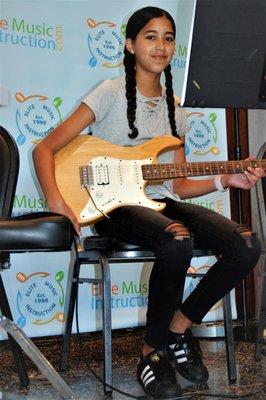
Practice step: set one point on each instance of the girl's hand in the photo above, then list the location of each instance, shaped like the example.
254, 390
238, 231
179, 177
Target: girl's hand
245, 180
64, 209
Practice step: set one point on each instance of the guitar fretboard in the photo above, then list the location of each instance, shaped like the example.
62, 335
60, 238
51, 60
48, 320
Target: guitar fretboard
170, 171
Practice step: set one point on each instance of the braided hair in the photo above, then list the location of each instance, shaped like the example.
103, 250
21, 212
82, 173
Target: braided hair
135, 23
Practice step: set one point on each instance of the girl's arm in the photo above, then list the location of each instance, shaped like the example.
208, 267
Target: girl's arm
189, 188
43, 157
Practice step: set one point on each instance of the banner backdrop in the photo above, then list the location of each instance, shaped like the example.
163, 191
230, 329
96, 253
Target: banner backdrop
52, 54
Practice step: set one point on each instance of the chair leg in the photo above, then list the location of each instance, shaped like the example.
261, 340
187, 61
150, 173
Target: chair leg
229, 339
107, 323
70, 313
37, 357
15, 348
259, 351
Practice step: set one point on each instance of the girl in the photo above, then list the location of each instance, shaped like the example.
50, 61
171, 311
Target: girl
128, 111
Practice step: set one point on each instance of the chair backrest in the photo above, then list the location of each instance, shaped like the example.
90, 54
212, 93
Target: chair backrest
261, 195
9, 167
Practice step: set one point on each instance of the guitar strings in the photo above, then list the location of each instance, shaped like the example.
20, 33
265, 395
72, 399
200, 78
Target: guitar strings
187, 169
195, 165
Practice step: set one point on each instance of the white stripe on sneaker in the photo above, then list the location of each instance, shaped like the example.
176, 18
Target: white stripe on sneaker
147, 376
179, 353
146, 369
181, 360
149, 380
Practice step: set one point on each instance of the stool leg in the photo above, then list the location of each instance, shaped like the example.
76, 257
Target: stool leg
16, 350
70, 313
107, 323
229, 339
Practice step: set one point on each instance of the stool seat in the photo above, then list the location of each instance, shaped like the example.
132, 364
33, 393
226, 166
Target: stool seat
109, 246
40, 231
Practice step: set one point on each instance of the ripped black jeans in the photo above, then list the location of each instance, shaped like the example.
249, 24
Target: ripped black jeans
237, 249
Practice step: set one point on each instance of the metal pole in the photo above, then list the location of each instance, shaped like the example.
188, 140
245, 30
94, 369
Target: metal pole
238, 156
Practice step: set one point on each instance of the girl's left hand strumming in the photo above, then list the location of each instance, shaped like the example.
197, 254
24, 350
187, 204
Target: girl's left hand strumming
246, 180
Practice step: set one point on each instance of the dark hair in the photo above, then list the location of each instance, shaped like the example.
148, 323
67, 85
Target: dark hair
135, 23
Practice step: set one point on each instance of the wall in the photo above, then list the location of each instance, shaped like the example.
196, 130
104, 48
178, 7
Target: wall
53, 53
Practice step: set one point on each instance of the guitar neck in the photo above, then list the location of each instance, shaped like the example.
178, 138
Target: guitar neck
176, 170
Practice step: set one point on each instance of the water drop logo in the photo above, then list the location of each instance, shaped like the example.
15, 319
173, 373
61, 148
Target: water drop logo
41, 298
36, 115
105, 44
202, 136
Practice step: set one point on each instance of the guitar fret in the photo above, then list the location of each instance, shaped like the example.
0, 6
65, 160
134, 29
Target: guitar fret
197, 165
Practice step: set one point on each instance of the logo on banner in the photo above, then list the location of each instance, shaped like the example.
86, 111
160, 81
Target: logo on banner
40, 298
19, 32
127, 294
105, 44
36, 116
180, 57
202, 136
24, 203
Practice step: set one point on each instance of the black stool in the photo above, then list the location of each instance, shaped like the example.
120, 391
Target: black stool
105, 251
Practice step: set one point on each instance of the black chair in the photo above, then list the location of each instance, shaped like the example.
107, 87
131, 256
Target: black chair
9, 166
36, 232
261, 202
105, 251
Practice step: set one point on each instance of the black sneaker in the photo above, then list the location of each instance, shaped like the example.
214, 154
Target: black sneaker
185, 350
157, 377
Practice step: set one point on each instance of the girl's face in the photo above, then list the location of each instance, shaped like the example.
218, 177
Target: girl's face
154, 45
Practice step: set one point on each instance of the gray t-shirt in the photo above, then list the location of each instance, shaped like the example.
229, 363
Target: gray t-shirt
109, 104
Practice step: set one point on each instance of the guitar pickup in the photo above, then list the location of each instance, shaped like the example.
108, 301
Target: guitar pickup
102, 174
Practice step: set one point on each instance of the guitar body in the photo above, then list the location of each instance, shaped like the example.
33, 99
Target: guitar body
96, 177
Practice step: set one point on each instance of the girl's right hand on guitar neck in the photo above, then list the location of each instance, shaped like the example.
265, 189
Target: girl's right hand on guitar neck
64, 209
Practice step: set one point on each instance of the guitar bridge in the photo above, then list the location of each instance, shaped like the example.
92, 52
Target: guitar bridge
85, 176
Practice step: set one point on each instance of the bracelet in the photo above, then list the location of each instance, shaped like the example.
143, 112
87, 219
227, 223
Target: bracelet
218, 184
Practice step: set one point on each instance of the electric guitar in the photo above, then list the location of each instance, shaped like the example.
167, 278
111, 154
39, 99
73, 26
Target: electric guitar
96, 177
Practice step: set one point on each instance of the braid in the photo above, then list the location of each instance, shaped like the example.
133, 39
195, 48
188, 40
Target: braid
129, 63
136, 22
170, 100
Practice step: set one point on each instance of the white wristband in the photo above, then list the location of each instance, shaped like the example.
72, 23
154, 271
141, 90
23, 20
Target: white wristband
218, 184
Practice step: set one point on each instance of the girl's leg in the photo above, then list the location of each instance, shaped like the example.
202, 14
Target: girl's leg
172, 245
237, 249
173, 248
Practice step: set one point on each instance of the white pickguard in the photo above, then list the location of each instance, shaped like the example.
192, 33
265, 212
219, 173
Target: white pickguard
113, 182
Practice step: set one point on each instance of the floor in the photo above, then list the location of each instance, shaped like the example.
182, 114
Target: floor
86, 353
